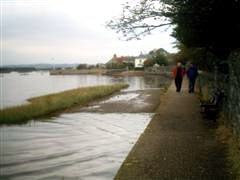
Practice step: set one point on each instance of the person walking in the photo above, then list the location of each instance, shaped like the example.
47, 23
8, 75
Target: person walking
178, 74
192, 74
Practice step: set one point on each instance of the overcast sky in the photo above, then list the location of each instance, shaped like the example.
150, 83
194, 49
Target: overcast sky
67, 31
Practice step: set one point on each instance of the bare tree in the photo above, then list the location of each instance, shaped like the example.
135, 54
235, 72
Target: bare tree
140, 18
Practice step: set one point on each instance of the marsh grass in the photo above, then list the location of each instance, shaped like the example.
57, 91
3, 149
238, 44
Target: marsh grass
45, 105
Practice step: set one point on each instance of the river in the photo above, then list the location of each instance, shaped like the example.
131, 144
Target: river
89, 144
16, 88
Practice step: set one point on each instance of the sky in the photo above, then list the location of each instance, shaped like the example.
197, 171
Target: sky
68, 31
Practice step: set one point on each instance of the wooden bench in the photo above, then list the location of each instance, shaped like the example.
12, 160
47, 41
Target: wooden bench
210, 109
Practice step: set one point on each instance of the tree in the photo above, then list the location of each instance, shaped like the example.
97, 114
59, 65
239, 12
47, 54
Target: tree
139, 19
161, 60
149, 63
209, 24
201, 57
159, 56
82, 66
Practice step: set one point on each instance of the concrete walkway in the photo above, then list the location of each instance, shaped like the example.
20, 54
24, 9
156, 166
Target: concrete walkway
177, 144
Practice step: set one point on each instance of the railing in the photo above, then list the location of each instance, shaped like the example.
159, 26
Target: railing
113, 71
161, 70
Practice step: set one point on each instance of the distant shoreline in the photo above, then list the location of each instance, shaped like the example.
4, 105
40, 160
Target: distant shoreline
109, 72
114, 72
20, 70
77, 71
97, 71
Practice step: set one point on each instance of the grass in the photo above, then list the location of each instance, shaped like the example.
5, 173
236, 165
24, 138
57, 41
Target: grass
45, 105
224, 132
226, 136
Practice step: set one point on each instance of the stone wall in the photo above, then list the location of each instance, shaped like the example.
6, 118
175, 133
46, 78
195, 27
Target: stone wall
229, 83
234, 90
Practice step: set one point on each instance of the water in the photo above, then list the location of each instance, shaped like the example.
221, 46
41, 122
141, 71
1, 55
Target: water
83, 145
16, 88
73, 146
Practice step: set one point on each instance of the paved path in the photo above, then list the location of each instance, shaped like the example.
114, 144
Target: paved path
177, 144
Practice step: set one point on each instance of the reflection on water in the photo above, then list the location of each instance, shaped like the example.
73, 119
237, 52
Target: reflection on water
72, 146
16, 88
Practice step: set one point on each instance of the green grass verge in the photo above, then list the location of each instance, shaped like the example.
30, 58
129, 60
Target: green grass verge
45, 105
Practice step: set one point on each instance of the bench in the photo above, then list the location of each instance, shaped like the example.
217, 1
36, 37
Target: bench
210, 109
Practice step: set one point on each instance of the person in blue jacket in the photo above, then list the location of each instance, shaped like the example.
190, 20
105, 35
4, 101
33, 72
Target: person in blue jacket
192, 74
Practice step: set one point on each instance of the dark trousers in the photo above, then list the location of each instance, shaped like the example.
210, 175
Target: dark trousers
178, 83
191, 84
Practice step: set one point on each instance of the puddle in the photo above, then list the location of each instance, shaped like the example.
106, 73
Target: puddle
93, 107
122, 97
72, 146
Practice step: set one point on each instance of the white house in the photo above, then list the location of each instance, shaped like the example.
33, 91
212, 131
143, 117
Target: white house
139, 62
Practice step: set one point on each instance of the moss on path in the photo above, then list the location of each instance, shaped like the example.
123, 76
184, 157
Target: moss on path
177, 144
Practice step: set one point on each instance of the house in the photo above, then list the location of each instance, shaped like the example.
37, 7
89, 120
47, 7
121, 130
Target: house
120, 62
139, 62
116, 60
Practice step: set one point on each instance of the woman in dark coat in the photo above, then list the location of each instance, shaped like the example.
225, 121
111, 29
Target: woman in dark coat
192, 74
